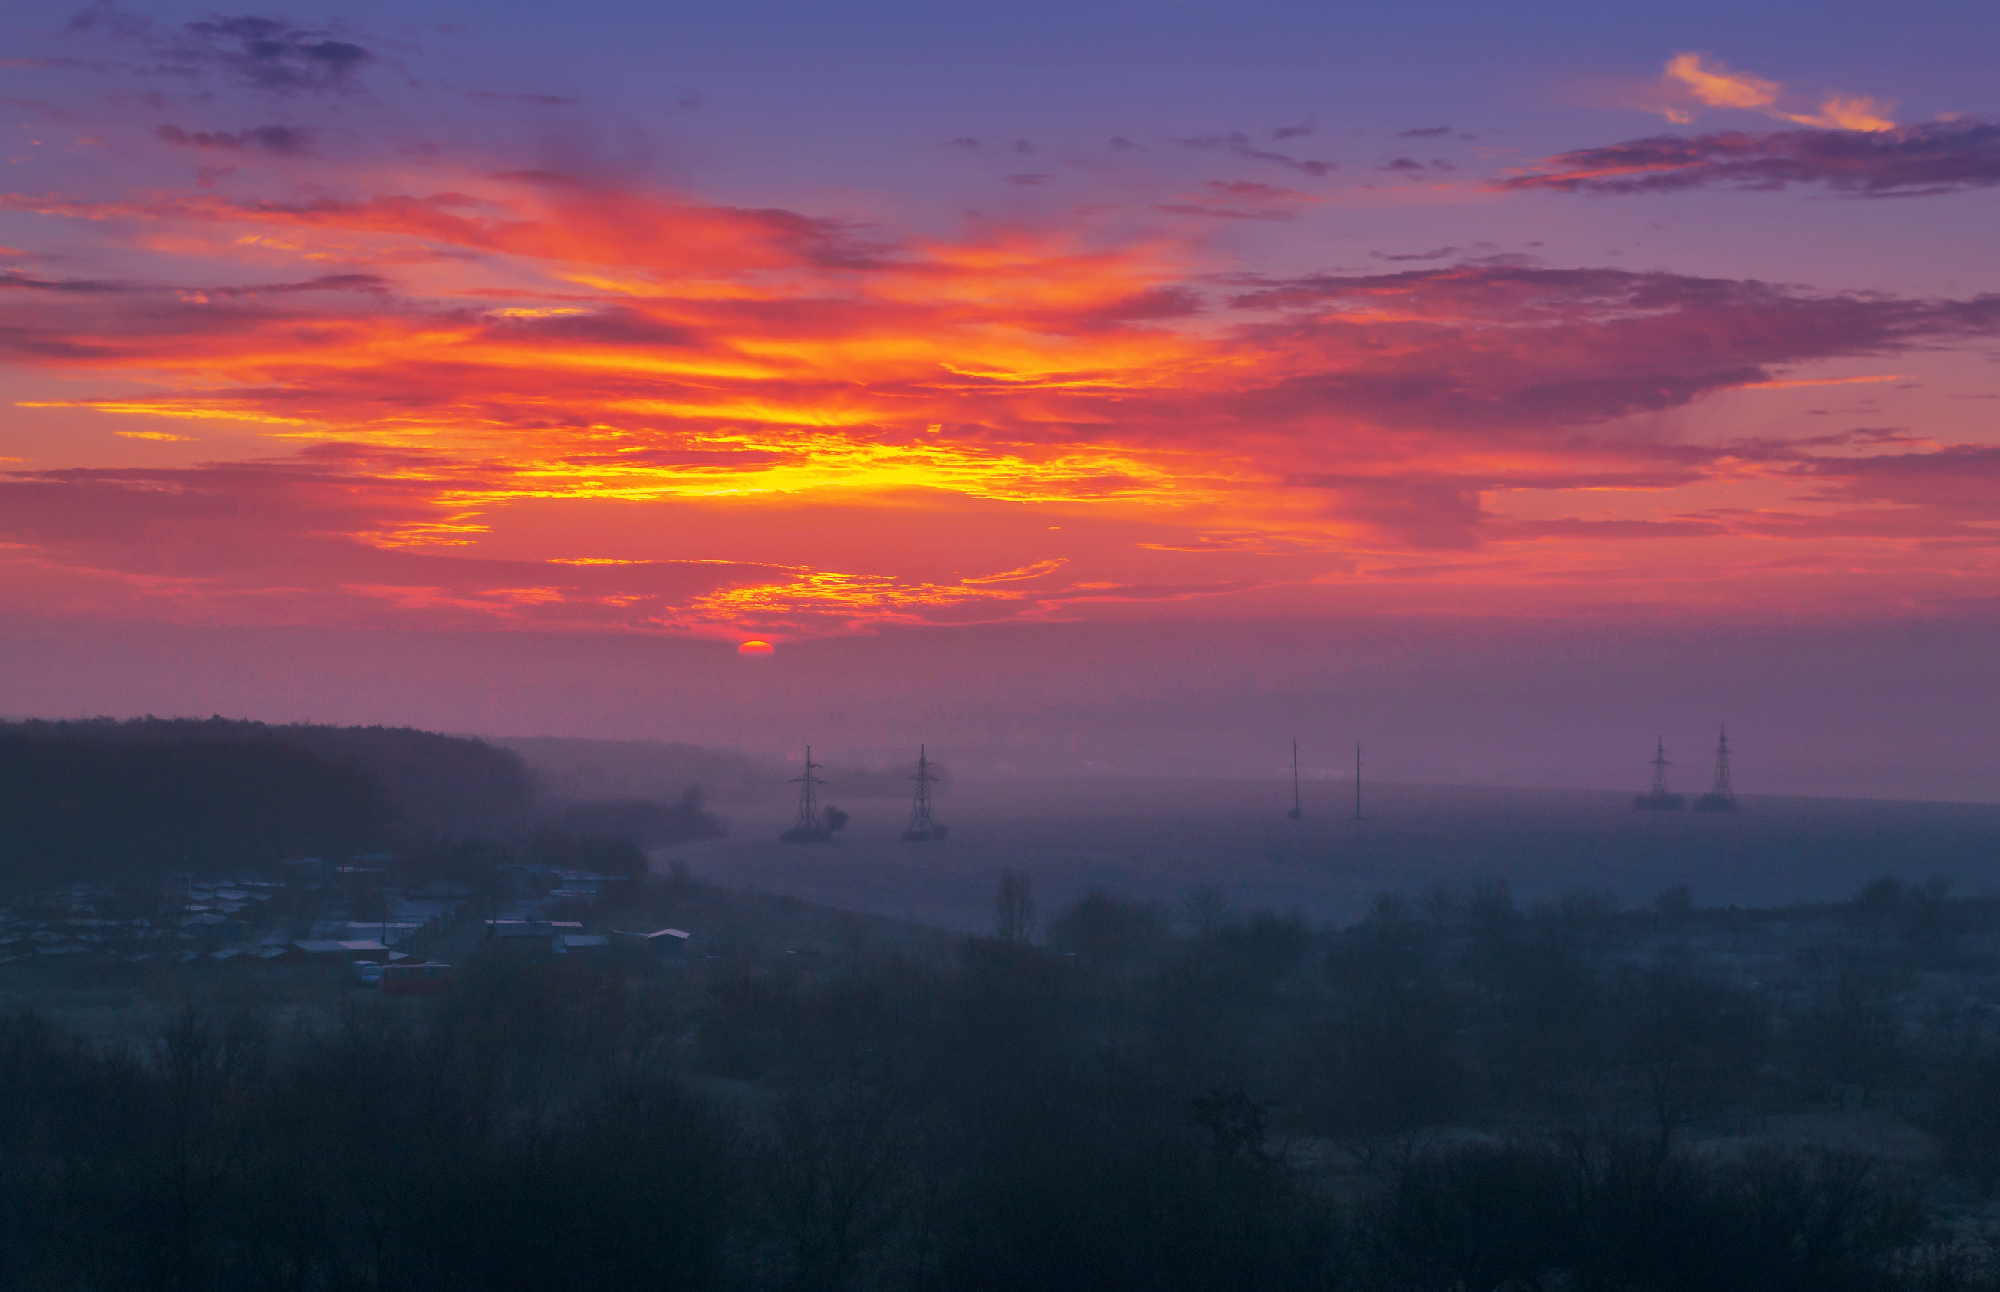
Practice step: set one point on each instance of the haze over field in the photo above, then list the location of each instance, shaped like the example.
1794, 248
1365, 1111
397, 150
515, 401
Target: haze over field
1162, 840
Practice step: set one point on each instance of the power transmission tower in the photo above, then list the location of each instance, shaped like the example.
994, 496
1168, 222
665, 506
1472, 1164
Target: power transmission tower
1659, 798
809, 828
1722, 798
922, 827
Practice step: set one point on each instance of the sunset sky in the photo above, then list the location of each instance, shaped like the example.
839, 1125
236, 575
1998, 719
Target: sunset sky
894, 333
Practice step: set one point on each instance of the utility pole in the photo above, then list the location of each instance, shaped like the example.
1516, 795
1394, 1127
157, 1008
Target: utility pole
1295, 778
1357, 782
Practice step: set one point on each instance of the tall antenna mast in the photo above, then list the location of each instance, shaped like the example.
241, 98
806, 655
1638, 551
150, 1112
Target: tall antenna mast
1660, 766
1295, 778
1357, 782
1723, 797
808, 801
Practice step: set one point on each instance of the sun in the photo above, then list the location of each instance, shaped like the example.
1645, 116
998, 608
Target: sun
755, 647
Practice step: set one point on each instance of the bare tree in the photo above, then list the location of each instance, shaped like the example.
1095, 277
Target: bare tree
1014, 902
1390, 910
1207, 910
836, 1185
1438, 902
205, 1075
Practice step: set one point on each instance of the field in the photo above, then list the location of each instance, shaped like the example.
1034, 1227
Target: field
1164, 838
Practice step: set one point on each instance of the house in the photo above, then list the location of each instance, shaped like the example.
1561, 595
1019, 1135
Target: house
583, 944
532, 937
213, 925
660, 942
331, 951
392, 933
424, 979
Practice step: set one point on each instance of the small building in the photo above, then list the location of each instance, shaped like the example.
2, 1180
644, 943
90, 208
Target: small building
531, 937
592, 944
331, 951
391, 933
660, 942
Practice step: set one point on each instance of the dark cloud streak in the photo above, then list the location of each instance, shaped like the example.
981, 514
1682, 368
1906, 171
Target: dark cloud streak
285, 141
1910, 161
1240, 144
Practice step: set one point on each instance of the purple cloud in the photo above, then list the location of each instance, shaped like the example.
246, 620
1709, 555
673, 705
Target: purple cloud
1909, 161
272, 55
1239, 143
284, 140
1238, 200
1436, 253
533, 100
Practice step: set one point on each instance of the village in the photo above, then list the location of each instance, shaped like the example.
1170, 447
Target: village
361, 918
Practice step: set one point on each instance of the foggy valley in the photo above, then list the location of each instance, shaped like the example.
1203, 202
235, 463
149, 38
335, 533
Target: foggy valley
1106, 1033
1061, 646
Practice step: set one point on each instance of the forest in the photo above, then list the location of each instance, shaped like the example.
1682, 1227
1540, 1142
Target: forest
102, 800
1453, 1093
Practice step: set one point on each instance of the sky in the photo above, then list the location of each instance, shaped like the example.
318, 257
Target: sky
1212, 369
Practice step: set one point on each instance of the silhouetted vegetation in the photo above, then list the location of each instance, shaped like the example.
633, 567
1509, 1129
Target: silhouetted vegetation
651, 822
1451, 1094
120, 801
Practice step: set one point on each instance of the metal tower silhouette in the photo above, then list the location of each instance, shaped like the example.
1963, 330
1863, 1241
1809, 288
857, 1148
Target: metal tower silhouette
1659, 798
1294, 813
1723, 797
1357, 782
922, 826
809, 828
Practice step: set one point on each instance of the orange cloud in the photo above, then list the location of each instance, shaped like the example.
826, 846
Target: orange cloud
755, 421
1713, 83
1706, 80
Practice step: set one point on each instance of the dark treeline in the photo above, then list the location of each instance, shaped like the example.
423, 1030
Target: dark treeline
108, 800
1450, 1095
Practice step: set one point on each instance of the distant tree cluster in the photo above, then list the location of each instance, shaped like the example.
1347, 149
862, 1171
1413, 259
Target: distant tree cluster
114, 801
652, 822
103, 799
